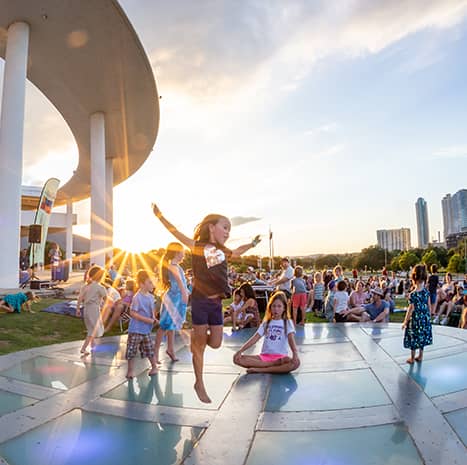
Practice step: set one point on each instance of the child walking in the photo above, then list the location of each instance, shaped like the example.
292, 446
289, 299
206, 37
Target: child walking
174, 299
14, 303
417, 323
92, 296
317, 295
278, 331
142, 319
210, 285
298, 295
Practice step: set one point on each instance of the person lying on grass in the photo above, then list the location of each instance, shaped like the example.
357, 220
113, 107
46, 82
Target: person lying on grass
278, 331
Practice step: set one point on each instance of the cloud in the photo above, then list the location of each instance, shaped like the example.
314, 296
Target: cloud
325, 128
239, 220
454, 151
271, 45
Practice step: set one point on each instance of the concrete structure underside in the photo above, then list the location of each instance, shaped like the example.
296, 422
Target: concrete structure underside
353, 400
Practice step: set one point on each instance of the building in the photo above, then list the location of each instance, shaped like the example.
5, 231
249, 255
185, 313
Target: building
448, 217
453, 240
394, 239
459, 204
87, 60
455, 213
422, 223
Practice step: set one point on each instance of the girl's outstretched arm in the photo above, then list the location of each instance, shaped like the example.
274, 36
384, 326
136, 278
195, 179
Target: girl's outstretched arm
251, 342
172, 229
245, 247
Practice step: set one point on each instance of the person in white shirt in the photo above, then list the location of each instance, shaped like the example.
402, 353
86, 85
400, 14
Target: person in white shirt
341, 301
278, 331
283, 282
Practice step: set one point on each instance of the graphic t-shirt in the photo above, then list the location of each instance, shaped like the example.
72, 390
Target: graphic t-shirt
210, 270
276, 341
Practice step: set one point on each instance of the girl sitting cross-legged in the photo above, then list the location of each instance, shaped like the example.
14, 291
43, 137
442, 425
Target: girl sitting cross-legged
278, 331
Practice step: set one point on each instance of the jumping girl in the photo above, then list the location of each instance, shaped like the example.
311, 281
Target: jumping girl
210, 285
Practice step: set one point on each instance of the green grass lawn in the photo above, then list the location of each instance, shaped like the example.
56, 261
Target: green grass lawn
25, 330
20, 331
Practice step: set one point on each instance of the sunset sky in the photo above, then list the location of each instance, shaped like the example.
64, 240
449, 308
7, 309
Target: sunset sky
325, 120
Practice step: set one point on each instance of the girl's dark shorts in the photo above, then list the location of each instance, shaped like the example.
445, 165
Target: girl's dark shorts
206, 311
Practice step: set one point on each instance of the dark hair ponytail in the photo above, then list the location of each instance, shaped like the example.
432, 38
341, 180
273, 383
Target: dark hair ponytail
419, 273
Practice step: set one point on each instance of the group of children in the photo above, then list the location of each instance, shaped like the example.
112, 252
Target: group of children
141, 308
210, 286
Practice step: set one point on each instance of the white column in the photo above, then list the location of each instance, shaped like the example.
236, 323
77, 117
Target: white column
69, 233
109, 209
11, 150
98, 189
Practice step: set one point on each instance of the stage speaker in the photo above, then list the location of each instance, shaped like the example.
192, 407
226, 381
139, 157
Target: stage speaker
35, 233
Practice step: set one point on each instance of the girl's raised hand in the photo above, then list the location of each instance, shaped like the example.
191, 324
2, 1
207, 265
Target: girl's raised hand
256, 240
155, 210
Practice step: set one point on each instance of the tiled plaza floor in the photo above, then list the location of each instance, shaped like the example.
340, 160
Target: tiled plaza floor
353, 401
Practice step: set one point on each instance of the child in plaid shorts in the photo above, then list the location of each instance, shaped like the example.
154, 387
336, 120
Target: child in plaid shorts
141, 323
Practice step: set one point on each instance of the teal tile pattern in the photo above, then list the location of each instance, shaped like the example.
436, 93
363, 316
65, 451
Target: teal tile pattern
173, 389
54, 373
458, 420
378, 445
79, 438
440, 375
394, 346
9, 402
325, 391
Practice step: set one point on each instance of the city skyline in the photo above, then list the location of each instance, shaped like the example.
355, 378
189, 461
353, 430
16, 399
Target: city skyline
455, 212
341, 119
423, 229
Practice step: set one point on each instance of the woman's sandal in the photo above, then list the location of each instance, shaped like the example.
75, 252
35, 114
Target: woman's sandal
172, 356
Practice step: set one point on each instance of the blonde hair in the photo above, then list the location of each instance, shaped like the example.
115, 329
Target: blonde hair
318, 277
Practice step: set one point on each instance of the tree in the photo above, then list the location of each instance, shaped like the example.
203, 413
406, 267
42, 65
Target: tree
326, 261
456, 264
442, 255
395, 265
372, 257
407, 260
430, 258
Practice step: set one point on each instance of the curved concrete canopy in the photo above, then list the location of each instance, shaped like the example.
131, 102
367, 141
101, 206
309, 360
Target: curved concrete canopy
86, 57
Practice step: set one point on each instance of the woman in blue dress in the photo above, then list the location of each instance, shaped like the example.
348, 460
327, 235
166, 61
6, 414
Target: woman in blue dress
174, 298
417, 323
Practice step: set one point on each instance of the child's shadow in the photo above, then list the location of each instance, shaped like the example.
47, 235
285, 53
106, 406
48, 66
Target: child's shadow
283, 386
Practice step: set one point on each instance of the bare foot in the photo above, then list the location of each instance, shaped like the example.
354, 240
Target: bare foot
84, 352
130, 375
201, 393
153, 371
419, 358
253, 370
410, 361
